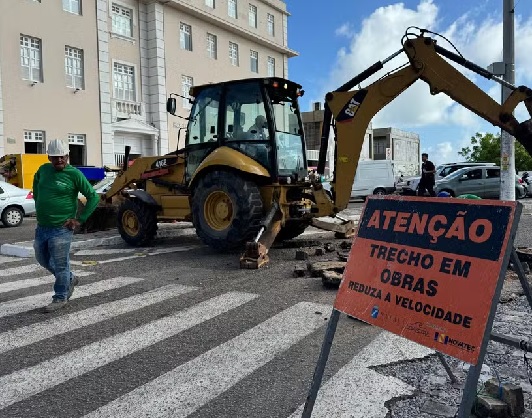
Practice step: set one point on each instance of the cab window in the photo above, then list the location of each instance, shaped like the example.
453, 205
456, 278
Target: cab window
203, 125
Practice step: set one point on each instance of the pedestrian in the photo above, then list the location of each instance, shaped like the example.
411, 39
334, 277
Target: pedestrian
427, 181
55, 189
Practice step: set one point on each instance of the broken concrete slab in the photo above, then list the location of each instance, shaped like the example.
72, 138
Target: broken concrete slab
318, 267
488, 407
438, 409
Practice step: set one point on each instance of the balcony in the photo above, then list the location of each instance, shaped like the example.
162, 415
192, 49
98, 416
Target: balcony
123, 109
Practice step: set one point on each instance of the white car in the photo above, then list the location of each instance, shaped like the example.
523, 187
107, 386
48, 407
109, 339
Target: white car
15, 203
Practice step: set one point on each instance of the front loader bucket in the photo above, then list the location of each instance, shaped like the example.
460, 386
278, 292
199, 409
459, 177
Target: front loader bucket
103, 217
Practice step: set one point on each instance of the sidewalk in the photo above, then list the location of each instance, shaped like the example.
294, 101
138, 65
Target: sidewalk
98, 239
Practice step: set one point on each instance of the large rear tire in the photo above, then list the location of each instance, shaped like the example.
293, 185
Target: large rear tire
137, 222
226, 210
290, 230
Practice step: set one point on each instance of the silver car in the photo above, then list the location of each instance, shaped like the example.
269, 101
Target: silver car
15, 203
484, 182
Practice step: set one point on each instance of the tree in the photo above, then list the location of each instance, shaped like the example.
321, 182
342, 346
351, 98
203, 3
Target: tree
487, 148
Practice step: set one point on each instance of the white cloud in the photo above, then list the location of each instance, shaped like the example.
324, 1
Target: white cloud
344, 30
477, 35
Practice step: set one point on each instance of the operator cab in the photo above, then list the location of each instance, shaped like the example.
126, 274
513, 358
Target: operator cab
258, 117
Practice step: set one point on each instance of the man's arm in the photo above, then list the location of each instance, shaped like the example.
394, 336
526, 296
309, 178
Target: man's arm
90, 194
36, 178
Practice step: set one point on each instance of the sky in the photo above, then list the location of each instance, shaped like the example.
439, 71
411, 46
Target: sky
337, 39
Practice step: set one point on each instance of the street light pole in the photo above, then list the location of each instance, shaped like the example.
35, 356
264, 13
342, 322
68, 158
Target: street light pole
507, 141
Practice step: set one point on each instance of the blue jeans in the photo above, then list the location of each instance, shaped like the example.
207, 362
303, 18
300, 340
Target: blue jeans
52, 251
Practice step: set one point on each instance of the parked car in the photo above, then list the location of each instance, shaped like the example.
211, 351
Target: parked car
409, 186
484, 182
15, 203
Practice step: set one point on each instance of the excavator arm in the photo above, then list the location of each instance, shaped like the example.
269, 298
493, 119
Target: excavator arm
353, 110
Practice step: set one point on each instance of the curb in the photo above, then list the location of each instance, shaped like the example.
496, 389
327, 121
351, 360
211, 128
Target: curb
25, 249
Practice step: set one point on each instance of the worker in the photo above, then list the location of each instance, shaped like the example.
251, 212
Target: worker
427, 181
260, 129
55, 189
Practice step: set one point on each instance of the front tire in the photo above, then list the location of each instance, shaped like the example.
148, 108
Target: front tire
291, 229
12, 216
379, 191
226, 210
137, 222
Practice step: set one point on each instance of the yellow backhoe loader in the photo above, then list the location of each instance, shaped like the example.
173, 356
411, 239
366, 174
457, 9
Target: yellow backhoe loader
242, 175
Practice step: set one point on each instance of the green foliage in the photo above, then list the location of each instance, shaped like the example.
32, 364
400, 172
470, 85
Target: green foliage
487, 148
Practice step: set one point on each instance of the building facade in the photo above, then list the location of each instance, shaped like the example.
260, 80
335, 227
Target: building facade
402, 147
98, 72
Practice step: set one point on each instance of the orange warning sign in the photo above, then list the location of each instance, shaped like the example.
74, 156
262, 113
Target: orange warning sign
427, 269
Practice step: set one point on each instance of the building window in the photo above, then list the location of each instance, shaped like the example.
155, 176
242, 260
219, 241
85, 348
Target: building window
271, 25
74, 67
233, 53
186, 84
254, 61
209, 3
185, 34
271, 67
122, 20
30, 58
252, 16
212, 46
379, 148
124, 82
72, 6
76, 146
231, 8
34, 142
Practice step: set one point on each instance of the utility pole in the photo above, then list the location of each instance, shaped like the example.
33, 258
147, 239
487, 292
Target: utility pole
507, 141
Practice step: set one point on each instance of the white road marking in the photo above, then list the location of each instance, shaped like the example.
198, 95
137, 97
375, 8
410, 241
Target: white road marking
24, 383
138, 254
183, 390
5, 259
27, 283
13, 271
359, 392
141, 251
21, 337
28, 303
108, 251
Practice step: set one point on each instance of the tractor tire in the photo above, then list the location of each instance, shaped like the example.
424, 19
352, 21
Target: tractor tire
291, 230
137, 222
226, 210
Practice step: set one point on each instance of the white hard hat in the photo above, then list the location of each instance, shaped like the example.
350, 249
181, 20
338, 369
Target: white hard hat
57, 148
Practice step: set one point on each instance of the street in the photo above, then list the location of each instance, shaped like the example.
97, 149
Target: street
178, 330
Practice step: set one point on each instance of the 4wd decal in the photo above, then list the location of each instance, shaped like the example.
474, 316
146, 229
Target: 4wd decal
349, 111
164, 162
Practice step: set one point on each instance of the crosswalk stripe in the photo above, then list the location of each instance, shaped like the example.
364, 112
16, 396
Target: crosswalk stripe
13, 271
37, 332
372, 389
28, 303
27, 382
23, 284
183, 390
4, 259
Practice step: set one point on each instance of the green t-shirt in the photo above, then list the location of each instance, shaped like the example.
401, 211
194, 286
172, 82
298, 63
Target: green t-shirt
56, 195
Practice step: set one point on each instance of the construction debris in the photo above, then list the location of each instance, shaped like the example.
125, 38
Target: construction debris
300, 271
301, 255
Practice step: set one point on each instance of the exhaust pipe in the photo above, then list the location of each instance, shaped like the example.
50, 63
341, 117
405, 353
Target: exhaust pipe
126, 158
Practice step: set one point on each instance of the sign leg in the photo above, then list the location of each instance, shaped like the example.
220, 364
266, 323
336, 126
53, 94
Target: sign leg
320, 366
522, 277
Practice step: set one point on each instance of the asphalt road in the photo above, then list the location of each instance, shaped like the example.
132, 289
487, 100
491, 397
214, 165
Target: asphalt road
25, 232
177, 330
